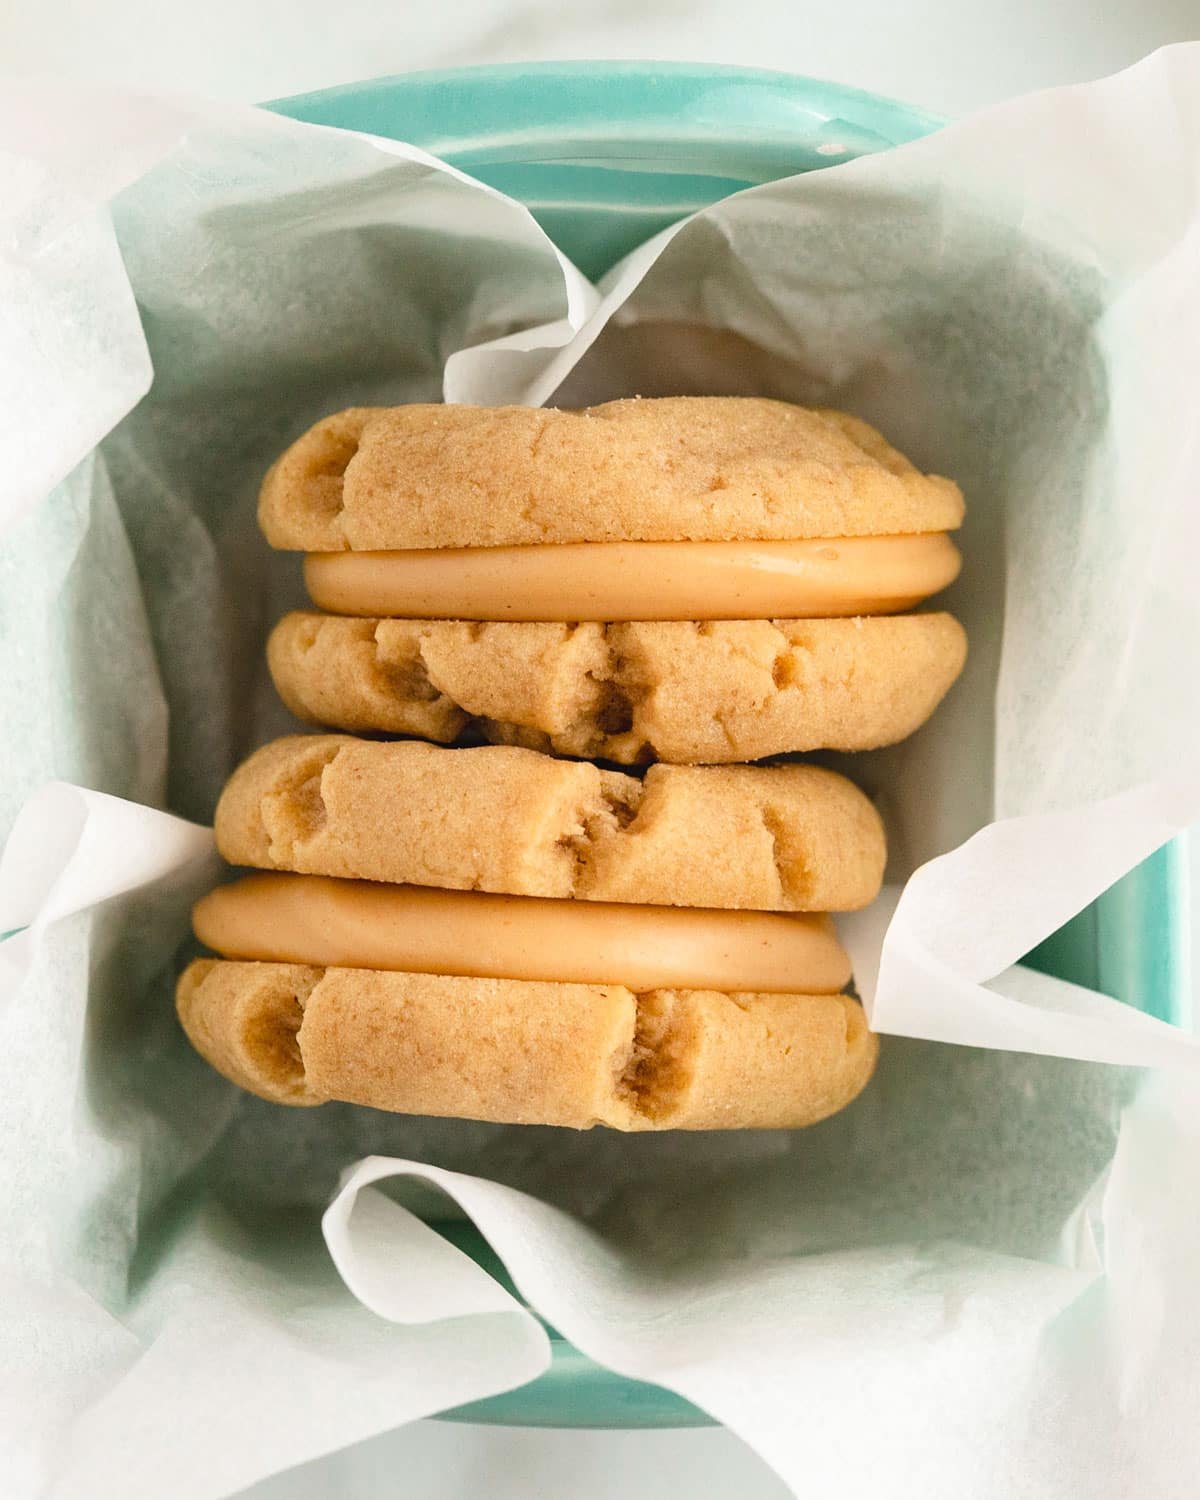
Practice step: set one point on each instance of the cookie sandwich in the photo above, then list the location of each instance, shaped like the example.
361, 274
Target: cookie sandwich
688, 579
492, 933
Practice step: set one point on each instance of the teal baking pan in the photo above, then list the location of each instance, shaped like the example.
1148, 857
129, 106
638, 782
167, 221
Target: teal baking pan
605, 155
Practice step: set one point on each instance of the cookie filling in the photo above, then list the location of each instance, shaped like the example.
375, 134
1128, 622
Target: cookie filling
331, 923
821, 578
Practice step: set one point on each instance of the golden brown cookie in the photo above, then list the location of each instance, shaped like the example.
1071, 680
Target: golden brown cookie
724, 691
506, 819
527, 1052
698, 468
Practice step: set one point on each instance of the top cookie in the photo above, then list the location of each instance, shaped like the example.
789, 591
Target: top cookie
505, 819
679, 468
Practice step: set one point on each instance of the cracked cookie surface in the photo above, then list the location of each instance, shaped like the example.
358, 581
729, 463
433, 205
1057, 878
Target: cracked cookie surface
511, 820
527, 1052
674, 691
698, 468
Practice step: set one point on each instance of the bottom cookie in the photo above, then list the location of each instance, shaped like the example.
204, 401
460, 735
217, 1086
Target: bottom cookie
708, 693
527, 1052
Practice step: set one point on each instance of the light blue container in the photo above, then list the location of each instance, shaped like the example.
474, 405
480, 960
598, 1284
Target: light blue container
604, 155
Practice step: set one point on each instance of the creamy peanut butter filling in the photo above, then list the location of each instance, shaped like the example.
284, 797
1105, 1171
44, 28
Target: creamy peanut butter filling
819, 578
328, 923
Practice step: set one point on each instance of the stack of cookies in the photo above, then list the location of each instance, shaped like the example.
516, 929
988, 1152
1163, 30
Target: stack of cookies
466, 922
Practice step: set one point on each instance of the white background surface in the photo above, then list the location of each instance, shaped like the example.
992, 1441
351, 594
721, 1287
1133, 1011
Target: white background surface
948, 55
